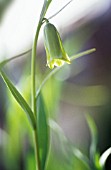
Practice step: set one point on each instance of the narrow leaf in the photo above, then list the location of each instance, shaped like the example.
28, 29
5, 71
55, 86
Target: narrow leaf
82, 157
42, 127
104, 157
45, 8
60, 10
19, 98
4, 62
94, 137
63, 141
51, 73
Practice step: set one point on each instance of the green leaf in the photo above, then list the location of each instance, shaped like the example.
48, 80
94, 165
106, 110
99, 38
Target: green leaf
94, 138
45, 8
43, 132
4, 62
104, 157
51, 73
82, 158
60, 155
60, 10
19, 99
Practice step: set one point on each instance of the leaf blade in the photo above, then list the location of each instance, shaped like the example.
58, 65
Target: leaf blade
19, 98
94, 137
82, 157
104, 157
6, 61
43, 132
55, 70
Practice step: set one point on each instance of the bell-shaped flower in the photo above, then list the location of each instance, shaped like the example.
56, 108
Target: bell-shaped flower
56, 55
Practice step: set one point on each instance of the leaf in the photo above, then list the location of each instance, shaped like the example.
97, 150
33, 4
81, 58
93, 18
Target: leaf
45, 8
104, 157
60, 10
4, 62
43, 132
19, 99
66, 151
82, 157
94, 137
51, 73
60, 155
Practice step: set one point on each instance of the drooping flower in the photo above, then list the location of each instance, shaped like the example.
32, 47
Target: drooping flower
56, 55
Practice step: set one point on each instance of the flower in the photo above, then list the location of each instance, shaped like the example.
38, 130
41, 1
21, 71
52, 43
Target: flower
56, 55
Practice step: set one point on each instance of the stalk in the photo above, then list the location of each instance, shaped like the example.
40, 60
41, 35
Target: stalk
33, 62
33, 81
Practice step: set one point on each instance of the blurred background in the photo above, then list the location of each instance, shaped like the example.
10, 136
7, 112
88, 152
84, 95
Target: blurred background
80, 88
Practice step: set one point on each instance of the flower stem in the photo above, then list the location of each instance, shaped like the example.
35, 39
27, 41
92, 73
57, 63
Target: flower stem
33, 81
33, 62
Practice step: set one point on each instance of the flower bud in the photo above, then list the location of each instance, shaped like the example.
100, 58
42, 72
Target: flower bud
56, 55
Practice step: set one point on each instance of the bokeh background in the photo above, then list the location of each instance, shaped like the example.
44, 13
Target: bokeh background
83, 87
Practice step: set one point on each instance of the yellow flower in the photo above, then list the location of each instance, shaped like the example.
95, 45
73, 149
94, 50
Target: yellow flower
56, 55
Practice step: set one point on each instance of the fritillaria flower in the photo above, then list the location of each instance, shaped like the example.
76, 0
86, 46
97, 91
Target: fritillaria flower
56, 55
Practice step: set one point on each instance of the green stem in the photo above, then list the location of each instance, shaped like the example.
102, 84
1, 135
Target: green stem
33, 81
33, 64
33, 93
